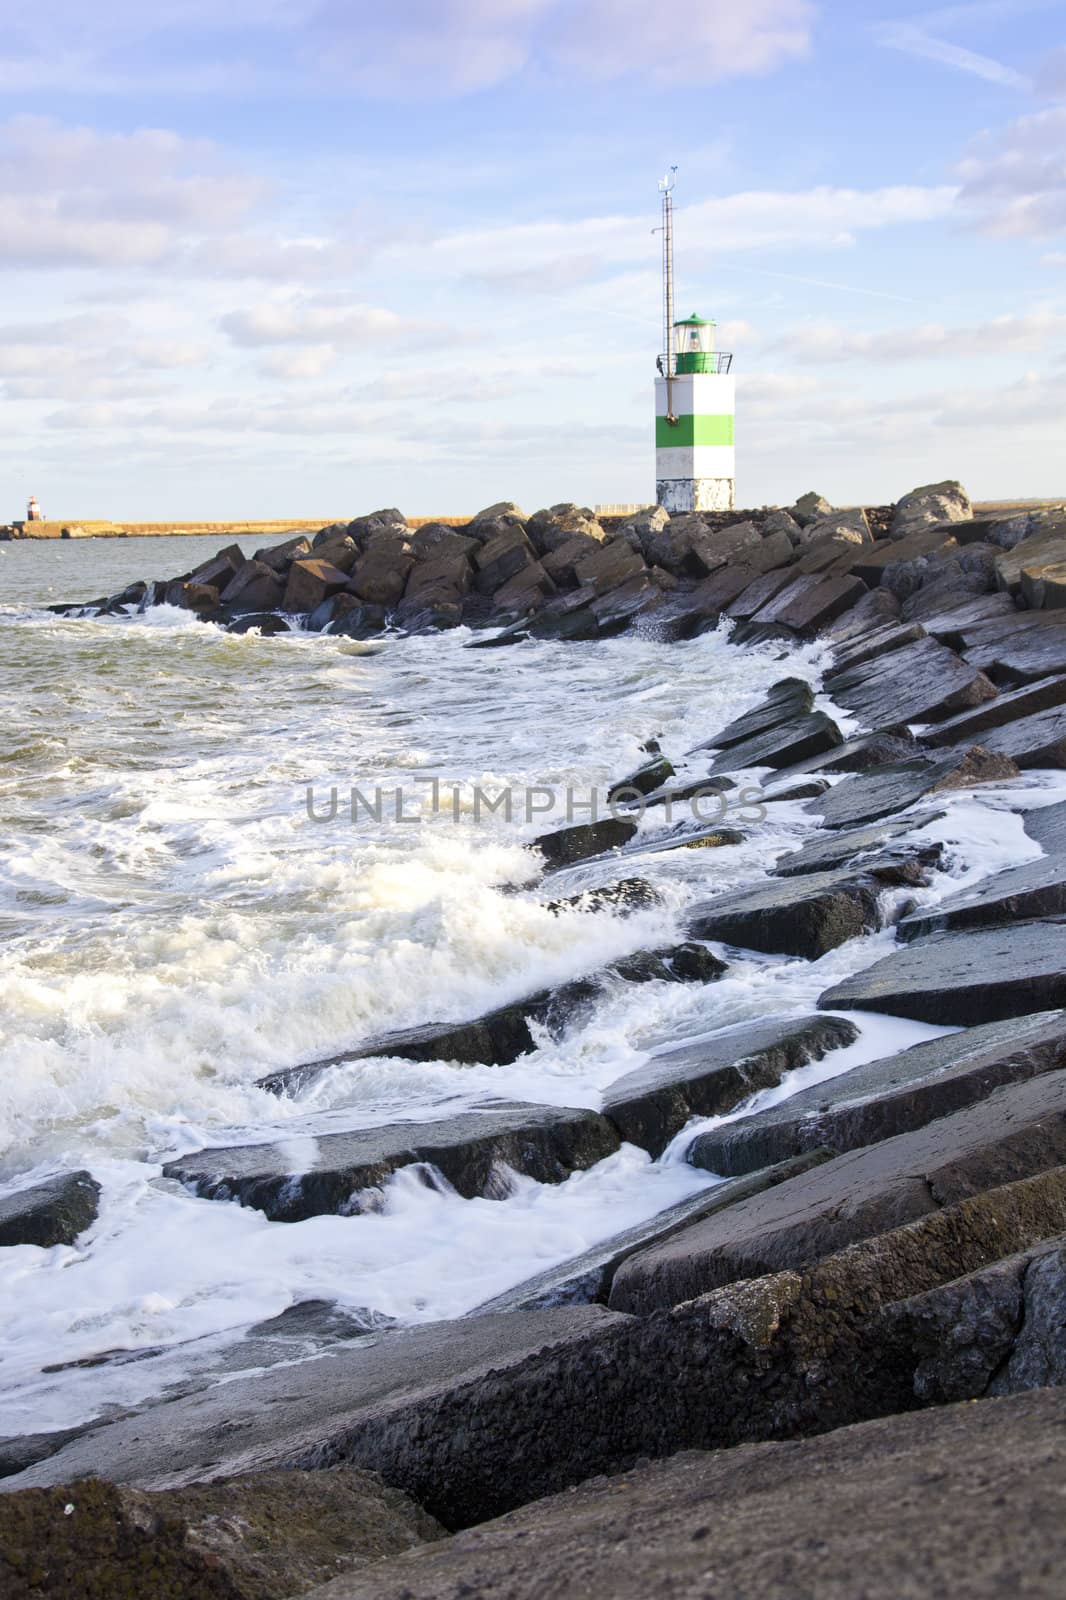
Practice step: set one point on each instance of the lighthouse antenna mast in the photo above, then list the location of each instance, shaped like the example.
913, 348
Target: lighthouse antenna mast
666, 189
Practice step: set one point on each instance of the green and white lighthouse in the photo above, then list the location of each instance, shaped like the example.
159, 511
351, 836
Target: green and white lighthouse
695, 402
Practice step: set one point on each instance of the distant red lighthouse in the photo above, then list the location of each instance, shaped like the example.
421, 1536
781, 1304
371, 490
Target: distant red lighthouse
33, 510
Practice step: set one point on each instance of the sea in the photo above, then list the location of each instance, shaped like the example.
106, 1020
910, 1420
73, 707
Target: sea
224, 855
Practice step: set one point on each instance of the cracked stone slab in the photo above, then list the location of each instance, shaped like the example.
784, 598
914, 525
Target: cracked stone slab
473, 1150
893, 1095
1035, 889
1016, 1132
709, 1077
965, 977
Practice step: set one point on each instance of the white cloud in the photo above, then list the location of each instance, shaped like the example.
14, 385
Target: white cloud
168, 354
914, 40
411, 48
272, 324
823, 218
824, 342
695, 42
1015, 181
312, 361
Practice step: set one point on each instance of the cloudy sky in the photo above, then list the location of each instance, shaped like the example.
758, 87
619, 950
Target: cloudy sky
307, 257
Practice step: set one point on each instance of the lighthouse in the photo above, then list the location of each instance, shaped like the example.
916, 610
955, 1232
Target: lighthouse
695, 401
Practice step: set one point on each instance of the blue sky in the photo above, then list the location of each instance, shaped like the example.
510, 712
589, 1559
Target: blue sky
306, 257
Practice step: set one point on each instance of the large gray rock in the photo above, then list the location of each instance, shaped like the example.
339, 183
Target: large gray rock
651, 776
389, 520
220, 569
264, 1537
949, 623
931, 505
968, 727
561, 563
607, 566
995, 1331
698, 610
923, 544
883, 790
500, 512
883, 1098
380, 576
1019, 649
1047, 825
1036, 889
474, 1151
759, 593
310, 582
342, 553
653, 1103
848, 527
1040, 551
857, 754
524, 592
873, 643
1038, 740
566, 846
549, 530
964, 1500
781, 521
50, 1213
501, 558
273, 1419
811, 602
800, 916
280, 556
958, 979
1037, 1355
687, 546
782, 704
809, 507
861, 847
1015, 1133
920, 682
254, 587
801, 739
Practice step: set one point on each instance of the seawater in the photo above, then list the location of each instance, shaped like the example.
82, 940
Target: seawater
176, 923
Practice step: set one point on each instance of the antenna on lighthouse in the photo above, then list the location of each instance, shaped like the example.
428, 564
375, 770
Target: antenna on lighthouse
666, 189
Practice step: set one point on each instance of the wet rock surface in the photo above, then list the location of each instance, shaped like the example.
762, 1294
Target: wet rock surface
805, 915
476, 1152
862, 846
886, 1097
50, 1213
884, 790
918, 682
1038, 740
1037, 889
653, 1103
966, 977
968, 727
587, 1279
1017, 1131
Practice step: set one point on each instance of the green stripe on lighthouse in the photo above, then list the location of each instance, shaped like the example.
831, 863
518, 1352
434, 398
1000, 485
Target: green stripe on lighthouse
690, 431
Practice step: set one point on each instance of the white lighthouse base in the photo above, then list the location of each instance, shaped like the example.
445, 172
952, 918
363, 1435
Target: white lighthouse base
695, 494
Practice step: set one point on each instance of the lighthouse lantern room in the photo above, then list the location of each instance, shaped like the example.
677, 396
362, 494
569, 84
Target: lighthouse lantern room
695, 401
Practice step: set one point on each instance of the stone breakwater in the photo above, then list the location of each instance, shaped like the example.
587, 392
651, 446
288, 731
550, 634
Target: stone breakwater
563, 574
759, 1391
